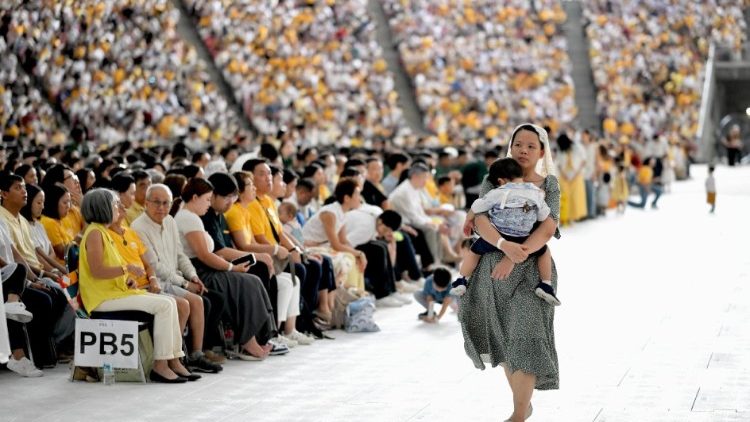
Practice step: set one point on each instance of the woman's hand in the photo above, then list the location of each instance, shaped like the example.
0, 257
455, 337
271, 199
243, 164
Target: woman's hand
282, 253
153, 285
516, 252
240, 268
503, 269
132, 284
136, 270
266, 259
196, 286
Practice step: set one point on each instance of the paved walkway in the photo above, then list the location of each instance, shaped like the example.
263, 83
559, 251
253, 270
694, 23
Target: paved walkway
653, 327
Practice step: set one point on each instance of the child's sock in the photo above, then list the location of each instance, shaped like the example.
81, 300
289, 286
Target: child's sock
547, 282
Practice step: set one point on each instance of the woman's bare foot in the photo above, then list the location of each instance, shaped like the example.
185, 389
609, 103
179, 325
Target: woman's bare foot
256, 349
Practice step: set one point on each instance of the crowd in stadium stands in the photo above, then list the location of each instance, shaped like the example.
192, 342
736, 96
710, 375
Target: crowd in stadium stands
118, 68
479, 68
648, 59
23, 109
313, 69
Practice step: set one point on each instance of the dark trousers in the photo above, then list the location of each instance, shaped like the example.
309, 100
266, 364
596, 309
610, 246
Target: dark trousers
420, 247
379, 273
734, 155
213, 311
406, 259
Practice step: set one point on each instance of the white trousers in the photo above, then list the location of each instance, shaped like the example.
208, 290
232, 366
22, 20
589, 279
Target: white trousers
287, 299
167, 335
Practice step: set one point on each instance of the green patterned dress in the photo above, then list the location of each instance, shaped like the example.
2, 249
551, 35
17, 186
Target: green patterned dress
504, 321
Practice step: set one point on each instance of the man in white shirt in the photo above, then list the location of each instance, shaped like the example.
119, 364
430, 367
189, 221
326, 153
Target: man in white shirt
177, 276
405, 200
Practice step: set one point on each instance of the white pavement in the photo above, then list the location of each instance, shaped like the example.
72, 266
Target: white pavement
653, 327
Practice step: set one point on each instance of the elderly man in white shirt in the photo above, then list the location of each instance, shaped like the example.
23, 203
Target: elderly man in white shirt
177, 276
405, 200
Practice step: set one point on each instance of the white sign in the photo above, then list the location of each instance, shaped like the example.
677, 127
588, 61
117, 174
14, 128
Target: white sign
100, 341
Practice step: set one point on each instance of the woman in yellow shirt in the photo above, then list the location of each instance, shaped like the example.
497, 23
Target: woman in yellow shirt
106, 286
239, 220
57, 204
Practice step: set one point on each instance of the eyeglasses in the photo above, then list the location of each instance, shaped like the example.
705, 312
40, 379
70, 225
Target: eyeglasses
159, 204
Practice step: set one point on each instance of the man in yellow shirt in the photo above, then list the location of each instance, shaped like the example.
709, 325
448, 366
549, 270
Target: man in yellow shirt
142, 183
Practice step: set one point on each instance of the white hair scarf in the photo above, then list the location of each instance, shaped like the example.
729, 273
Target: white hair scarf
546, 166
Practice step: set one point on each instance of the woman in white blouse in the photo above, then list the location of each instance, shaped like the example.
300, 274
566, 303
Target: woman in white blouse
33, 212
247, 302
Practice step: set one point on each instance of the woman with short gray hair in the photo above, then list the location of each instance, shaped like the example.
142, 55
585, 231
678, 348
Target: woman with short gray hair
108, 284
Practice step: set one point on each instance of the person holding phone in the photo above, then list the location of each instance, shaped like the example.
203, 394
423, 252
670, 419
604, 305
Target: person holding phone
285, 289
248, 304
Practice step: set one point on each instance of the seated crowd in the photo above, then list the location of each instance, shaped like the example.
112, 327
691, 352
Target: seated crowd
262, 250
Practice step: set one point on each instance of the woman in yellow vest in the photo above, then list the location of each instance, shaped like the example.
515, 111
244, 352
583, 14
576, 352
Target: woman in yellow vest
107, 287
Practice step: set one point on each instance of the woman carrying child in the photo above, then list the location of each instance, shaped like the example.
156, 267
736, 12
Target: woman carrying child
503, 320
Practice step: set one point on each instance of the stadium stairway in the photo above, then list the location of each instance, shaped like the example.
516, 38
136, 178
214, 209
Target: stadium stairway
187, 27
406, 95
583, 79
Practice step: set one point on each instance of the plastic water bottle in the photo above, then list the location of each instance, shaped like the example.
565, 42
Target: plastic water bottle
108, 374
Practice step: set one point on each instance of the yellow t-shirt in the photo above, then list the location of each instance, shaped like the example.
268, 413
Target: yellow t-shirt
431, 188
240, 219
134, 212
57, 233
20, 233
73, 222
323, 193
645, 175
260, 210
131, 248
94, 291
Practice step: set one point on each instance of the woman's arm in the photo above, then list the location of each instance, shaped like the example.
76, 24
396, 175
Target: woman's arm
95, 252
49, 262
541, 235
516, 252
197, 242
338, 241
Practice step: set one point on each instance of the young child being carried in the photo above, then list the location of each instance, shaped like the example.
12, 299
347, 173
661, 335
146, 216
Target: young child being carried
515, 209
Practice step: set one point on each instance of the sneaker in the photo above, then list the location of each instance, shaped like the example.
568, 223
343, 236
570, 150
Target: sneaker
300, 338
278, 349
24, 367
215, 357
422, 315
388, 302
406, 287
458, 287
286, 341
402, 297
546, 292
203, 364
17, 312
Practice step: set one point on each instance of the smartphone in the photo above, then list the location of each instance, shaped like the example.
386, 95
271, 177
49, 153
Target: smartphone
247, 258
